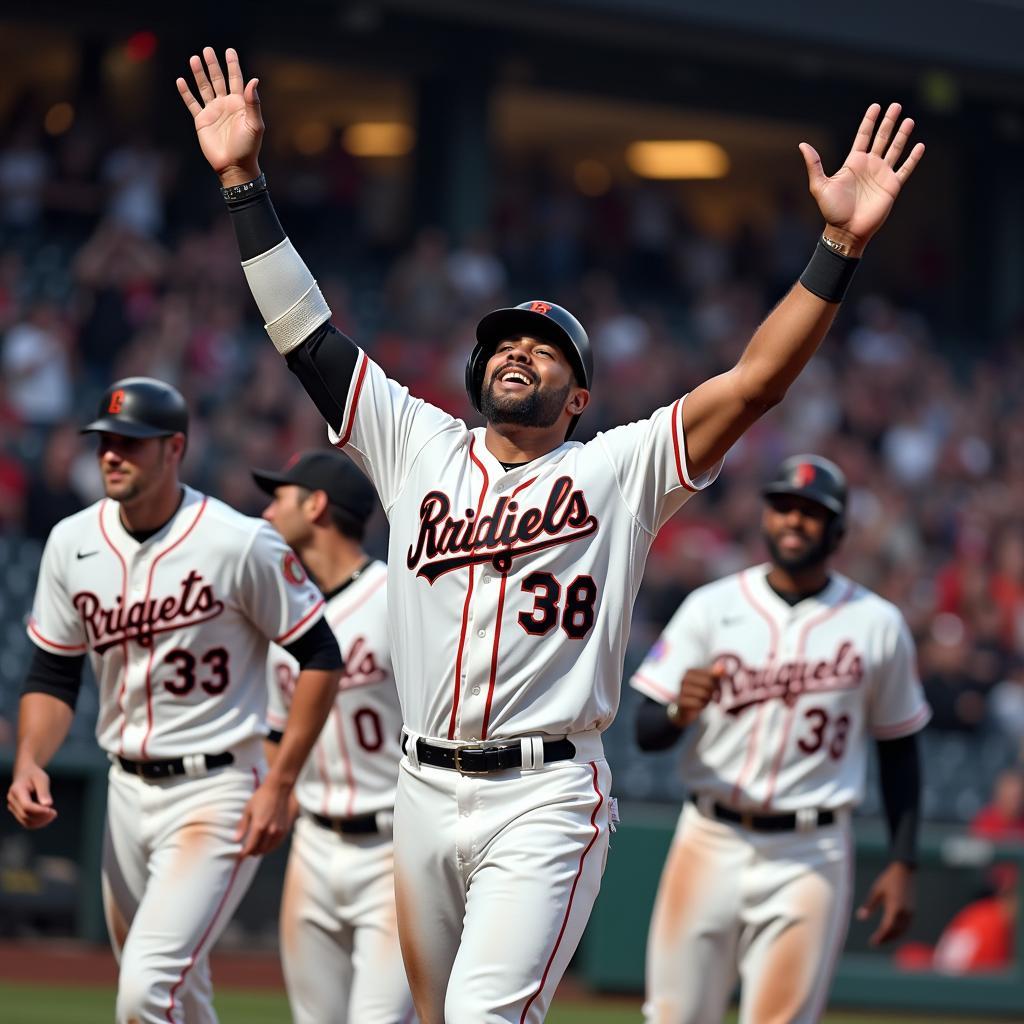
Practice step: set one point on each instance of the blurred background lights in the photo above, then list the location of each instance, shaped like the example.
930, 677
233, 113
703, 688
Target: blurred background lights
677, 159
378, 138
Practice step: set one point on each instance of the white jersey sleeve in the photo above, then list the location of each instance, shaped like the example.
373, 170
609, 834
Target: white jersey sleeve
683, 644
649, 460
897, 706
55, 624
282, 675
385, 427
274, 590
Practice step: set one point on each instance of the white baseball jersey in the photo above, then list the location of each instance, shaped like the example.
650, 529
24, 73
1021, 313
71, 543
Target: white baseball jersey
177, 627
353, 769
512, 590
802, 688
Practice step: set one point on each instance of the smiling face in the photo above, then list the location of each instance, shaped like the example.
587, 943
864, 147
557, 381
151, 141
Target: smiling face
529, 382
796, 531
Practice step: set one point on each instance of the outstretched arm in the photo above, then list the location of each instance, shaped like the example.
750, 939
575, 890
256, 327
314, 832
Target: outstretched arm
229, 127
854, 202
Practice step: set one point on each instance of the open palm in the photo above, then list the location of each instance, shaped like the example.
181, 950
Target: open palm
228, 121
859, 196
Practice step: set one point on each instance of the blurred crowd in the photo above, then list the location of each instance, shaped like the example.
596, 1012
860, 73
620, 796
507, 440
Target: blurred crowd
116, 259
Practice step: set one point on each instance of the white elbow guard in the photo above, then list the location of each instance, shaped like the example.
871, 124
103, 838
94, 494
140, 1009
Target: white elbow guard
289, 300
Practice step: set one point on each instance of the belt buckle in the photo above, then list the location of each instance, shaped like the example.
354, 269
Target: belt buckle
458, 759
747, 820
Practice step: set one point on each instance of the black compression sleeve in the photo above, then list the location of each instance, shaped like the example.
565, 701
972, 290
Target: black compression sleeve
654, 731
324, 364
316, 648
256, 225
899, 769
55, 674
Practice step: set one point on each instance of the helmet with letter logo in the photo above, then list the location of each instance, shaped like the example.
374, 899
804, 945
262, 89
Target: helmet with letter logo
817, 479
140, 407
536, 319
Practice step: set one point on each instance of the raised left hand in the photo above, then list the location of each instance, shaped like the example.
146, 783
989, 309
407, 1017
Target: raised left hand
893, 891
857, 199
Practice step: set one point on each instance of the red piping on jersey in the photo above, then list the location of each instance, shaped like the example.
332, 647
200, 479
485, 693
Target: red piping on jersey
677, 417
50, 643
339, 618
647, 681
283, 638
772, 652
343, 440
572, 893
213, 920
791, 713
124, 646
152, 646
457, 687
346, 763
904, 728
497, 632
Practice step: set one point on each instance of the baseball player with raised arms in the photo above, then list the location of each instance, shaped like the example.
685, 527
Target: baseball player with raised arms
174, 597
339, 932
515, 558
776, 677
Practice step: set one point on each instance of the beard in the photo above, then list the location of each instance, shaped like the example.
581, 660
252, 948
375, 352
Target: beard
538, 408
812, 555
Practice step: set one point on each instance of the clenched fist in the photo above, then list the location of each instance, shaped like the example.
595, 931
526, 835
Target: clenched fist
695, 693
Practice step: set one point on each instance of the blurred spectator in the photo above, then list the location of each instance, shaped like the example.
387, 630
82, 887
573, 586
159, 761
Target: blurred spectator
24, 170
1002, 820
37, 367
51, 492
476, 274
979, 938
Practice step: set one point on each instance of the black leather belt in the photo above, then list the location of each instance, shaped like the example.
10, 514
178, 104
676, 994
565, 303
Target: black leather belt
763, 822
172, 766
359, 825
476, 759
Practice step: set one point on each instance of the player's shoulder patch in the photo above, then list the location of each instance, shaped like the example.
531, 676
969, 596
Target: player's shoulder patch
658, 651
293, 570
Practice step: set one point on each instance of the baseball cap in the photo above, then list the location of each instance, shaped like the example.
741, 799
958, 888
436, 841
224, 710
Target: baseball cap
328, 471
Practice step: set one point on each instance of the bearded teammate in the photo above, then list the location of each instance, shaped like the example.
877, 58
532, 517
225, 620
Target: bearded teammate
776, 677
515, 559
174, 597
339, 933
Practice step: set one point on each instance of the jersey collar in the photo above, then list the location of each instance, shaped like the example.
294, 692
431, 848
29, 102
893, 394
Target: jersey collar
170, 531
779, 607
496, 469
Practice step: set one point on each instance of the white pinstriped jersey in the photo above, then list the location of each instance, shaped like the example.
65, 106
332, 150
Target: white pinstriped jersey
353, 769
177, 627
511, 591
803, 687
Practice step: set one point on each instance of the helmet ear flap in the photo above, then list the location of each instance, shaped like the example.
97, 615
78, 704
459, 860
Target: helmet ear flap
475, 367
834, 533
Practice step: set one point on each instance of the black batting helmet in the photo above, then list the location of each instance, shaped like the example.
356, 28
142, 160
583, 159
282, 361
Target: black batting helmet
817, 479
537, 319
140, 407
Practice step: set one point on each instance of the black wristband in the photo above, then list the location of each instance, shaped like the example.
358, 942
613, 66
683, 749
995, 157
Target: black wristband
828, 275
236, 193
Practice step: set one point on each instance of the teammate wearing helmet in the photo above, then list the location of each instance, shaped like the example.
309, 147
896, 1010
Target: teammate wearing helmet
776, 678
515, 558
175, 598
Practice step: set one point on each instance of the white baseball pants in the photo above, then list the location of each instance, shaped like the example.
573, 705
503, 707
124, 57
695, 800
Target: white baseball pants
171, 882
769, 909
339, 932
495, 878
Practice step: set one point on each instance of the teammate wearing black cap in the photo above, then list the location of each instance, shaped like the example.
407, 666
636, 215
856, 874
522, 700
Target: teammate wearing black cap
339, 933
516, 556
776, 678
174, 597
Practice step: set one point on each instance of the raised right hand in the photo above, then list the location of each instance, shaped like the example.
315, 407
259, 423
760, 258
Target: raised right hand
696, 692
28, 797
228, 121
